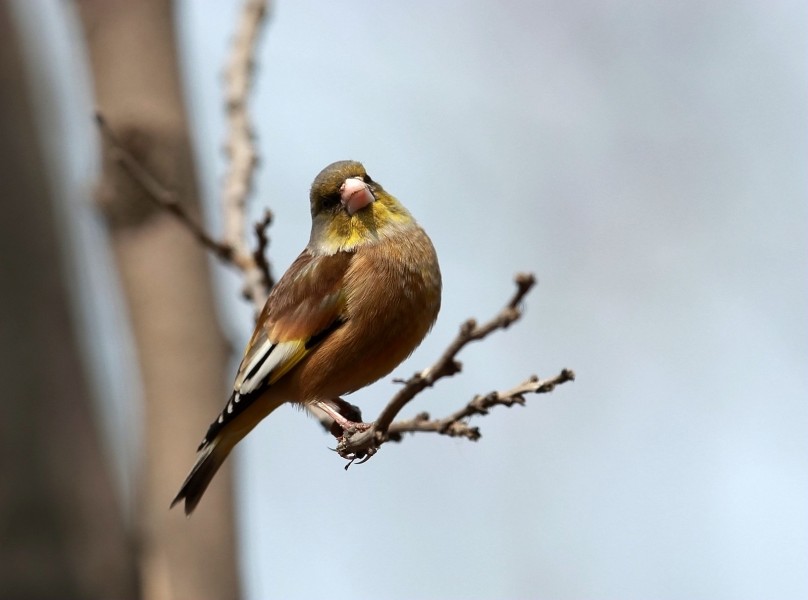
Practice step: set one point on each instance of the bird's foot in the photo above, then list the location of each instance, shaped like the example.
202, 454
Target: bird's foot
356, 440
358, 446
346, 417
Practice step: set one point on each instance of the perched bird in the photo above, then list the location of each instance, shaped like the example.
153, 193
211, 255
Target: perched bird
355, 303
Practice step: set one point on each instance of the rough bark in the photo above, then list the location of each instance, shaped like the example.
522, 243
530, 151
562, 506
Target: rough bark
61, 530
166, 281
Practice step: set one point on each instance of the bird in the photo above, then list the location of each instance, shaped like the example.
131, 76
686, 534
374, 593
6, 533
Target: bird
355, 303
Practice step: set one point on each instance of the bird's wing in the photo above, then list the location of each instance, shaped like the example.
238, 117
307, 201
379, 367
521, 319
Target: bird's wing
304, 308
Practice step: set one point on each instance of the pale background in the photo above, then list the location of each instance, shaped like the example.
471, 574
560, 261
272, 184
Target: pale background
648, 162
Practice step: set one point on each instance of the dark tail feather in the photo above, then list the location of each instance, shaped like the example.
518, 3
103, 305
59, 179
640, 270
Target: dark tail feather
207, 463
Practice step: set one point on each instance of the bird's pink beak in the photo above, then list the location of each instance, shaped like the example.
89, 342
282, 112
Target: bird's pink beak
355, 195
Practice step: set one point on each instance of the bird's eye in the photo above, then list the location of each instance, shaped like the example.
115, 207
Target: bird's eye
366, 178
330, 201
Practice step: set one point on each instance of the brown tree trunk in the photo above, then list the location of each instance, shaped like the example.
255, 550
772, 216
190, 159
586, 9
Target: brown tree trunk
167, 284
62, 534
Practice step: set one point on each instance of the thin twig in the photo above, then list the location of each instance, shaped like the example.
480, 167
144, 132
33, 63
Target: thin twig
234, 248
240, 149
157, 192
260, 252
456, 424
364, 444
446, 365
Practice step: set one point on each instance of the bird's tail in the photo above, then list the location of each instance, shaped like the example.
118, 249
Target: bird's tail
208, 461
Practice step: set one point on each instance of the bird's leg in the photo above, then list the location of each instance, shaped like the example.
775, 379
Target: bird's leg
357, 440
335, 409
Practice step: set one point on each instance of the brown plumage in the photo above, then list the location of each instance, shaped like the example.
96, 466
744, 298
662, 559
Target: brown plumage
355, 303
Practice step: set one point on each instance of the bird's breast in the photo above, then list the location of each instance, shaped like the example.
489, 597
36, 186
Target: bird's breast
392, 291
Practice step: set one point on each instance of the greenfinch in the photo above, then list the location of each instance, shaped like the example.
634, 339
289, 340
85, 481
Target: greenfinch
355, 303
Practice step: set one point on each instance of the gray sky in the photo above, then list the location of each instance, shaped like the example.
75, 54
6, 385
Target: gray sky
648, 162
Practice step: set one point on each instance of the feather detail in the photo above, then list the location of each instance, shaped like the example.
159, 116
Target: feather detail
208, 461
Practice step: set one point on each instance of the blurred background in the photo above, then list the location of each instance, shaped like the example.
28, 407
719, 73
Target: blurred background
647, 161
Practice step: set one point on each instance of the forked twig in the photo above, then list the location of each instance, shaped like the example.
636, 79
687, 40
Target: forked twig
362, 445
456, 424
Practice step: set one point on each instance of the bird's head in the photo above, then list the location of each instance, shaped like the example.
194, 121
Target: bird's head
349, 209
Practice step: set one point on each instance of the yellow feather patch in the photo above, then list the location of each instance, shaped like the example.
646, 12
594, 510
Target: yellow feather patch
379, 220
294, 355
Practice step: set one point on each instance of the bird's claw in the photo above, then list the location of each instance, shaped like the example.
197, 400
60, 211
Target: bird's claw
362, 455
358, 444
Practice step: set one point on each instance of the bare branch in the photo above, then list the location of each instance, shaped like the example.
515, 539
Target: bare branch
456, 425
363, 444
260, 252
157, 192
240, 149
446, 365
233, 249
